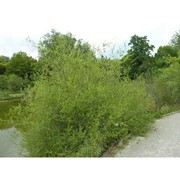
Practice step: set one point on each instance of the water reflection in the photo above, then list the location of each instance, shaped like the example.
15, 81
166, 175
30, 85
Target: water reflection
10, 140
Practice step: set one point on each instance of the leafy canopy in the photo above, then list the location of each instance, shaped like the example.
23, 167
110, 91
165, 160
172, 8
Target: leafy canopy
138, 59
21, 65
175, 41
55, 44
164, 54
4, 59
2, 68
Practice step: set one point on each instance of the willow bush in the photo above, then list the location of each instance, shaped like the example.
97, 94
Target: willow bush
80, 108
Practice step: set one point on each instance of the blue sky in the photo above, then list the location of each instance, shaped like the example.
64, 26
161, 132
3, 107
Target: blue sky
95, 21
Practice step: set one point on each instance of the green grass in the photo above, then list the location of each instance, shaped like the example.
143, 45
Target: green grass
8, 95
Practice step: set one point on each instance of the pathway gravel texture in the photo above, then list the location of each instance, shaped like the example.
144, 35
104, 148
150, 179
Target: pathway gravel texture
163, 141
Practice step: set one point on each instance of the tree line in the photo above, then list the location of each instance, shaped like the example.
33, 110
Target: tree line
16, 73
138, 60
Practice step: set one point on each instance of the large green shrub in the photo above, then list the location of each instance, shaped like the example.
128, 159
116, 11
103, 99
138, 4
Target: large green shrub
80, 109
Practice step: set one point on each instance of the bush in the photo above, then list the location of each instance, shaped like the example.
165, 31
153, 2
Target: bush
81, 109
13, 82
3, 82
164, 88
2, 68
167, 87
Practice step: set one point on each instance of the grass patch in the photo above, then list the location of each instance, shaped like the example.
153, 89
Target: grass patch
8, 95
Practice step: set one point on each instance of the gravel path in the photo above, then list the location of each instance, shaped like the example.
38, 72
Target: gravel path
164, 141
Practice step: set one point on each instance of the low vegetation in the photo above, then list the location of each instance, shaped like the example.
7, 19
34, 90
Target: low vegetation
5, 107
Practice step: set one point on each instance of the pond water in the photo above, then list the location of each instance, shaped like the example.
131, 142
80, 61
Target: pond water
10, 143
10, 137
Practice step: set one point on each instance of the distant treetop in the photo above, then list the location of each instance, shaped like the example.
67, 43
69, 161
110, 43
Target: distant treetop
175, 41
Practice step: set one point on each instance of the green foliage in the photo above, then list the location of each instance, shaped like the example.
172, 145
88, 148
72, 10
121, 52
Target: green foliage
163, 55
21, 65
166, 51
13, 82
3, 82
140, 46
166, 86
4, 59
138, 60
55, 44
5, 107
111, 67
2, 68
9, 95
175, 41
81, 109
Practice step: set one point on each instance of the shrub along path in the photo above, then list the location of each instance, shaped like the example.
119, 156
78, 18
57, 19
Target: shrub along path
163, 141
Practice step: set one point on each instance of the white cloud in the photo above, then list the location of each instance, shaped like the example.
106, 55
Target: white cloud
10, 45
93, 20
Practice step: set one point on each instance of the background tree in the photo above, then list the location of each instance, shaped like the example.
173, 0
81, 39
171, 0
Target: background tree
175, 41
2, 68
163, 55
3, 82
21, 65
15, 83
12, 83
138, 59
4, 59
3, 62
